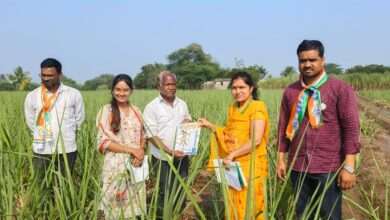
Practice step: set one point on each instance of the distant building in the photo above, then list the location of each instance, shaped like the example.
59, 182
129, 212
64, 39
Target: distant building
222, 83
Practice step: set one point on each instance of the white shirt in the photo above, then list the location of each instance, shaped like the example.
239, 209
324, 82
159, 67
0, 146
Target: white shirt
67, 112
162, 120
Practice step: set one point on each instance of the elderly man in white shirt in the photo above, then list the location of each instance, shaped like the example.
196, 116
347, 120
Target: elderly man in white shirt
54, 113
162, 115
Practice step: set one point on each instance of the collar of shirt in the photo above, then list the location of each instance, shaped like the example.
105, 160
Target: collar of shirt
322, 76
61, 88
163, 100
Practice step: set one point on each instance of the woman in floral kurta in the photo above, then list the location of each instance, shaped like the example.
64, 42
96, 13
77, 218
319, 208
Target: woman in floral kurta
121, 142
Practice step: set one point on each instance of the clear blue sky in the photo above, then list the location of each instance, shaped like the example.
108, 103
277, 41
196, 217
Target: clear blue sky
95, 37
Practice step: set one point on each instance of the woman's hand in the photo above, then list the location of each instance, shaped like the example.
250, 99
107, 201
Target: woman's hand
205, 124
136, 162
138, 153
227, 160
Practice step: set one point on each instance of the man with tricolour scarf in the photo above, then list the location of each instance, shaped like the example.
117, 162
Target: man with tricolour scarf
54, 112
319, 129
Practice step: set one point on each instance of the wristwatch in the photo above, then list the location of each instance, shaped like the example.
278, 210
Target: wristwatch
350, 170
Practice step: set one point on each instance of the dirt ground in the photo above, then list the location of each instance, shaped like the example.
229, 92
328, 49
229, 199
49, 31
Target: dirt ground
375, 160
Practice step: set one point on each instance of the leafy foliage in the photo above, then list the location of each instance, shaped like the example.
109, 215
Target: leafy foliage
288, 71
257, 72
357, 81
193, 53
372, 68
333, 68
19, 79
5, 85
70, 82
192, 75
103, 81
193, 67
33, 86
147, 78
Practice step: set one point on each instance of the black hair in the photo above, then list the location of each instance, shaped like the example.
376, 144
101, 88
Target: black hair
116, 116
248, 80
51, 62
311, 45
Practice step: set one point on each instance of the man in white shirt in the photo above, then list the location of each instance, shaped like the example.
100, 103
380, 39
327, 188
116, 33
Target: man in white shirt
54, 113
162, 115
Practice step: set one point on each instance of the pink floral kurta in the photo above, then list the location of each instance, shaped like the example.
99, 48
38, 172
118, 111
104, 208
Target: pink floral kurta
120, 197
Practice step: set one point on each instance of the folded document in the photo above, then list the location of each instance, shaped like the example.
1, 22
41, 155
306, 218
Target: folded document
138, 174
234, 176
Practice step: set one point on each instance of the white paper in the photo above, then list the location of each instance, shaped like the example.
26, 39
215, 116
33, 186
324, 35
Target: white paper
139, 174
187, 138
231, 175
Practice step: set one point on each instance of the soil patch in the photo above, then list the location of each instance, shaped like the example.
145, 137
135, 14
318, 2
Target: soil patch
373, 172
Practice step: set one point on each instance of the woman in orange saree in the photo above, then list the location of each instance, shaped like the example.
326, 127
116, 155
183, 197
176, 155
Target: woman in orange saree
244, 140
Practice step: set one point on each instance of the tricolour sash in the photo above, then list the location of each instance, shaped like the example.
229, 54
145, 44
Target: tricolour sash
312, 103
43, 131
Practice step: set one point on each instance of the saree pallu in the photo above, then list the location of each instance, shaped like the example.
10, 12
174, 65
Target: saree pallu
226, 139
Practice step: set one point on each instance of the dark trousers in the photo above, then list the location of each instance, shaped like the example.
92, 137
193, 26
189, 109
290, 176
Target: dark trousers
46, 165
169, 186
306, 185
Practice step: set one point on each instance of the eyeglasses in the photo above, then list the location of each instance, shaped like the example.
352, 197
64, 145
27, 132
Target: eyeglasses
46, 76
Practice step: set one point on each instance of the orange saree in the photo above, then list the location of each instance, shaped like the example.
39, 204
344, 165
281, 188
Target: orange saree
226, 139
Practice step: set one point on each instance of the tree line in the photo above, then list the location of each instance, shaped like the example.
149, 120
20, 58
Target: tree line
335, 69
192, 66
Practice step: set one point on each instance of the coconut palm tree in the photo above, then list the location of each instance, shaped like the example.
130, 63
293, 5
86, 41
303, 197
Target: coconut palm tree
20, 79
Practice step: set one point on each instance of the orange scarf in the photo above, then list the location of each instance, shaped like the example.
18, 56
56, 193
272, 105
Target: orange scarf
47, 104
43, 130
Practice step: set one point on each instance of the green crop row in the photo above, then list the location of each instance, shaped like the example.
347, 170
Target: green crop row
78, 197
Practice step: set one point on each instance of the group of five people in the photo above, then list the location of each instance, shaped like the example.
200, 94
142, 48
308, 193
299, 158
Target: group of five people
318, 127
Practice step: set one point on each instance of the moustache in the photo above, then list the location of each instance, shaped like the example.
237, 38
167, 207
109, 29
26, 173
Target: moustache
49, 83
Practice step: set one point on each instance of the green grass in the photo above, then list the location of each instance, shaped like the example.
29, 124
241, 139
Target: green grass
78, 197
381, 96
361, 81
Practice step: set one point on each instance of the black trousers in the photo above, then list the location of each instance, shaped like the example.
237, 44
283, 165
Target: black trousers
169, 186
45, 165
331, 203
